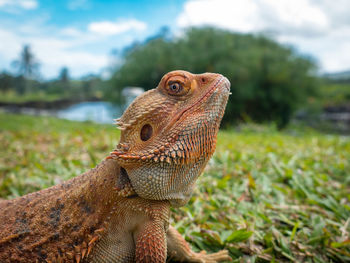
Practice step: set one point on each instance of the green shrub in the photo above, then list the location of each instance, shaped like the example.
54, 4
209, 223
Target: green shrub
268, 80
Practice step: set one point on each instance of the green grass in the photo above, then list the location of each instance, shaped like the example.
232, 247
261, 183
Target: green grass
266, 196
332, 94
13, 97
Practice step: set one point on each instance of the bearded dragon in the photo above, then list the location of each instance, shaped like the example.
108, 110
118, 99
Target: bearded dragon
119, 211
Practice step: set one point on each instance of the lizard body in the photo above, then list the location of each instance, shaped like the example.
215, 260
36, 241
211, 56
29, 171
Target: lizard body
119, 211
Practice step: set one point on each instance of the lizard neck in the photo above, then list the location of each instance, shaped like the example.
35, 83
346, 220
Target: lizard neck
92, 199
95, 189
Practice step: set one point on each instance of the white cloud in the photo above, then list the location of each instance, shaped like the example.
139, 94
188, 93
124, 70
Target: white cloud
297, 16
331, 50
83, 51
114, 28
22, 4
53, 51
71, 32
237, 15
78, 4
317, 27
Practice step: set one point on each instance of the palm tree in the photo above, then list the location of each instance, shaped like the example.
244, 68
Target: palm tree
64, 75
27, 65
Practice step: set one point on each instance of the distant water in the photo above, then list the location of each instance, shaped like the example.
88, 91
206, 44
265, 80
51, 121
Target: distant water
96, 111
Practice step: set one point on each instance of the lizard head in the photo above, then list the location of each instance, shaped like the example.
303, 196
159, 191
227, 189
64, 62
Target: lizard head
169, 134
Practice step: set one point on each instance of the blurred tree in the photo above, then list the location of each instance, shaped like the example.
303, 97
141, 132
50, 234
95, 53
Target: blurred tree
6, 82
92, 86
268, 80
27, 66
64, 75
63, 87
64, 81
20, 84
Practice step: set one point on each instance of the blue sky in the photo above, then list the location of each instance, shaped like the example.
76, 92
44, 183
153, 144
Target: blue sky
80, 34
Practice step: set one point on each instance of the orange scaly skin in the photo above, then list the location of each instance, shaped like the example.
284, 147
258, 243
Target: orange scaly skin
119, 211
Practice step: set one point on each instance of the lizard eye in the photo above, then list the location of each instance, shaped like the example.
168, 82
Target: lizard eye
146, 132
175, 88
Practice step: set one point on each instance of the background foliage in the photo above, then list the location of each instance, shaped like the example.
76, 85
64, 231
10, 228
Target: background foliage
268, 80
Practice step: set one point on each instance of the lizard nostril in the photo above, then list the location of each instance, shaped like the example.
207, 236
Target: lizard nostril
146, 132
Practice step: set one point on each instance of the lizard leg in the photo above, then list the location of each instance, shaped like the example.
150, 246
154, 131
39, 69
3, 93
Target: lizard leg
151, 243
179, 250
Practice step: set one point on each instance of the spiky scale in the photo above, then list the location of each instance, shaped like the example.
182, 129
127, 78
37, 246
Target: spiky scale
100, 230
124, 146
83, 252
89, 250
117, 153
93, 240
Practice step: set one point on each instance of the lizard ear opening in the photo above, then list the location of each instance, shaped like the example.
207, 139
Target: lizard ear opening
146, 132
